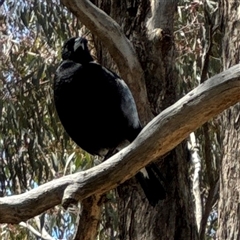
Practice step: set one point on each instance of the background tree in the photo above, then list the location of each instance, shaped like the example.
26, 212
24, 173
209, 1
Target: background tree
183, 45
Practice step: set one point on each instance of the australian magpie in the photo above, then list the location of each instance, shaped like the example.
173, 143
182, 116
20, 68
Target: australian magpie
97, 110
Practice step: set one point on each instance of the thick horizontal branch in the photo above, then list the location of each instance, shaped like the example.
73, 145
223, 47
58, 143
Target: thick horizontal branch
118, 45
161, 135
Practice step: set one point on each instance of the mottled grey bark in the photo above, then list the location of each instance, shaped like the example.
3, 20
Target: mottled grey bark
229, 203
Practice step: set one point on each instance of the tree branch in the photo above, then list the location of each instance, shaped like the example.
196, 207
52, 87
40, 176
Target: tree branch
161, 135
120, 48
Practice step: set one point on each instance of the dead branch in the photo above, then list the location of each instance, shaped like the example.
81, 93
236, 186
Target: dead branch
161, 135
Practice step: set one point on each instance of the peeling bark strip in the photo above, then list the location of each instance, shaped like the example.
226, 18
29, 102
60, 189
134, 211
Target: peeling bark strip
196, 162
161, 135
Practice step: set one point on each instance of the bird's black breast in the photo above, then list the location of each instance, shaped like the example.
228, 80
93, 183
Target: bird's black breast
95, 106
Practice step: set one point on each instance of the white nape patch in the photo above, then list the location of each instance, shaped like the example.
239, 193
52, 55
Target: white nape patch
83, 46
144, 172
77, 39
81, 42
77, 43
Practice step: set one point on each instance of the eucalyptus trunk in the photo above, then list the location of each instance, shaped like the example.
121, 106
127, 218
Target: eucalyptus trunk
149, 26
228, 208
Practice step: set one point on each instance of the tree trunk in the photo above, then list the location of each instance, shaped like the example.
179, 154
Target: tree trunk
149, 26
228, 207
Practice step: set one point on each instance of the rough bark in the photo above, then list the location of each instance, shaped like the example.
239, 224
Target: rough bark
229, 210
149, 26
89, 218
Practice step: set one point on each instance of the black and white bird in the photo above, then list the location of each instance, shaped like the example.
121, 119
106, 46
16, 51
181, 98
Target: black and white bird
97, 110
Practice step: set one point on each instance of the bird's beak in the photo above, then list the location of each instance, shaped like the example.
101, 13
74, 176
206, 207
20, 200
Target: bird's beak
78, 43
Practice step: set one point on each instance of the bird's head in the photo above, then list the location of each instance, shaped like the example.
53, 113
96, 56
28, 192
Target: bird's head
76, 49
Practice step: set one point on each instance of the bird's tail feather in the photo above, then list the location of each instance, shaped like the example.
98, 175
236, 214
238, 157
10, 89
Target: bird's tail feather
151, 181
